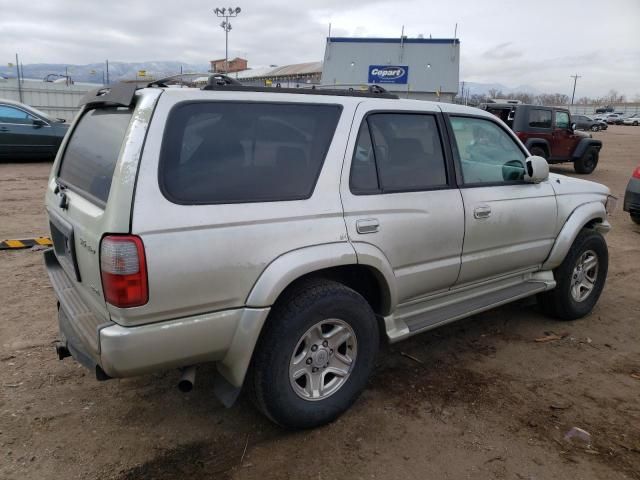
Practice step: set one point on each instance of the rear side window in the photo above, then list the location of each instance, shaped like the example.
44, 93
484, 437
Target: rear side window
233, 152
92, 151
539, 118
397, 152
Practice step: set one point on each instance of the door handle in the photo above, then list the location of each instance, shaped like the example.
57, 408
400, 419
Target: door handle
482, 212
368, 225
4, 129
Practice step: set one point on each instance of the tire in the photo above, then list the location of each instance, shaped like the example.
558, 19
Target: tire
595, 128
635, 218
565, 302
538, 151
635, 124
292, 332
587, 163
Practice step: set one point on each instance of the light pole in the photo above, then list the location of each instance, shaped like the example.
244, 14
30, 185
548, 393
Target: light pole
226, 13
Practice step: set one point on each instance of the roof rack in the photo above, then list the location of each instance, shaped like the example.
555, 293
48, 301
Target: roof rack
181, 79
225, 83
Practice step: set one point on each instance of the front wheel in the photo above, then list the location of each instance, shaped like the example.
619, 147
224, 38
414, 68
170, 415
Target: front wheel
635, 218
587, 163
580, 278
315, 356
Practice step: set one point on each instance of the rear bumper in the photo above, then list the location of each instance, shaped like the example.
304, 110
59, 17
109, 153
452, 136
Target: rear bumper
227, 337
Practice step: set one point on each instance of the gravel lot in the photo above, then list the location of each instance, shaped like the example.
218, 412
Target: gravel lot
476, 399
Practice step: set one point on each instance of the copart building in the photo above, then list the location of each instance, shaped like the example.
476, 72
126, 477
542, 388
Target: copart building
421, 68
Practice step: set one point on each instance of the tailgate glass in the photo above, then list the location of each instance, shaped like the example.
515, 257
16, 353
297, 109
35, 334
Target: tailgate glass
92, 151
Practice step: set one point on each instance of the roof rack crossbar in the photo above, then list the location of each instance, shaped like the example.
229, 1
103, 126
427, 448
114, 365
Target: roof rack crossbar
372, 90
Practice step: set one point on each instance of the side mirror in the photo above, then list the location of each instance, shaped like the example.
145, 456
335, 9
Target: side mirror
537, 169
573, 126
38, 123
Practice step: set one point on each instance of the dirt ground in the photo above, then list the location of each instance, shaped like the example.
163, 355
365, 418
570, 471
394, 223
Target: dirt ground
476, 399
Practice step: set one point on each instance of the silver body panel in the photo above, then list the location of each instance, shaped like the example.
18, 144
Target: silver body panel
214, 271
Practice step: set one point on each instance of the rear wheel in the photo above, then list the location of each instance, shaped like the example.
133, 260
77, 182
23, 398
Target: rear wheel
595, 128
315, 356
580, 278
587, 163
635, 218
538, 151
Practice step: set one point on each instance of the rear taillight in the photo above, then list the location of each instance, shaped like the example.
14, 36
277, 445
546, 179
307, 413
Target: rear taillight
124, 271
636, 172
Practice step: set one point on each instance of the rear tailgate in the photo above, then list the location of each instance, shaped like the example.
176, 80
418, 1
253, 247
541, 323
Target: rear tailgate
91, 186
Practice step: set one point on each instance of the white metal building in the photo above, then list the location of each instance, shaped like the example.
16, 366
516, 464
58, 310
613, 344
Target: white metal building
422, 68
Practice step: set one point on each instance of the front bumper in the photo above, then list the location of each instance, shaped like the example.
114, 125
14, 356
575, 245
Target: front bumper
227, 337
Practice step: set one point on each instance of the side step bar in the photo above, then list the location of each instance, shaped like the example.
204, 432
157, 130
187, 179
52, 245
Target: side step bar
448, 313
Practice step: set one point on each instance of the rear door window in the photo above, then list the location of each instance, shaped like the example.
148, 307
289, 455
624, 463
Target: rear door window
237, 152
398, 152
93, 150
539, 118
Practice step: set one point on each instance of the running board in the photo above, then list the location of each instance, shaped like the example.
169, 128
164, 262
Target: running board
444, 310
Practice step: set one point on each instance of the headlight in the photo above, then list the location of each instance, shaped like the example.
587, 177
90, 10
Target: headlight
610, 205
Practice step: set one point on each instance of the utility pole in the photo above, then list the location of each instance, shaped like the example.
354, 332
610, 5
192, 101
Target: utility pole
226, 13
18, 77
107, 62
575, 80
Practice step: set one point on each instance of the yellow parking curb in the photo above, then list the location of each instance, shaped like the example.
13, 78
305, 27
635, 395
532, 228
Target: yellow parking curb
26, 243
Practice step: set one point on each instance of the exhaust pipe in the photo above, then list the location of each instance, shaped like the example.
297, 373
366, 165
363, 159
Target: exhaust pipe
187, 379
62, 351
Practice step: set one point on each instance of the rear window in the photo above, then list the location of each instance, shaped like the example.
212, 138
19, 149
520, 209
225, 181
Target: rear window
92, 151
233, 152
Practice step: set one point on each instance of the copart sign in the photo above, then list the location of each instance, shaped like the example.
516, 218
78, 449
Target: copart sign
388, 73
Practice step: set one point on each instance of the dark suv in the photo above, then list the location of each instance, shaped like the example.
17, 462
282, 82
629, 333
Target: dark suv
550, 133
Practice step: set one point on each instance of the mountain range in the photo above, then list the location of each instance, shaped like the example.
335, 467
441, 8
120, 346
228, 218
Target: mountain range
93, 72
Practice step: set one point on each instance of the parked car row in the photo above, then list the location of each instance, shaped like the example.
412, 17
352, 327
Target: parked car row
619, 118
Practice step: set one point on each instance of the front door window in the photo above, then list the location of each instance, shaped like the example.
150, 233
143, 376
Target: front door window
488, 154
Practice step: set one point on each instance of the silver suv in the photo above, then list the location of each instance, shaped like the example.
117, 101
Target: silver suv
281, 233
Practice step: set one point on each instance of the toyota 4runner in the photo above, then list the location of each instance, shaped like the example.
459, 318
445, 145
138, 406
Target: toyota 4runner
281, 233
